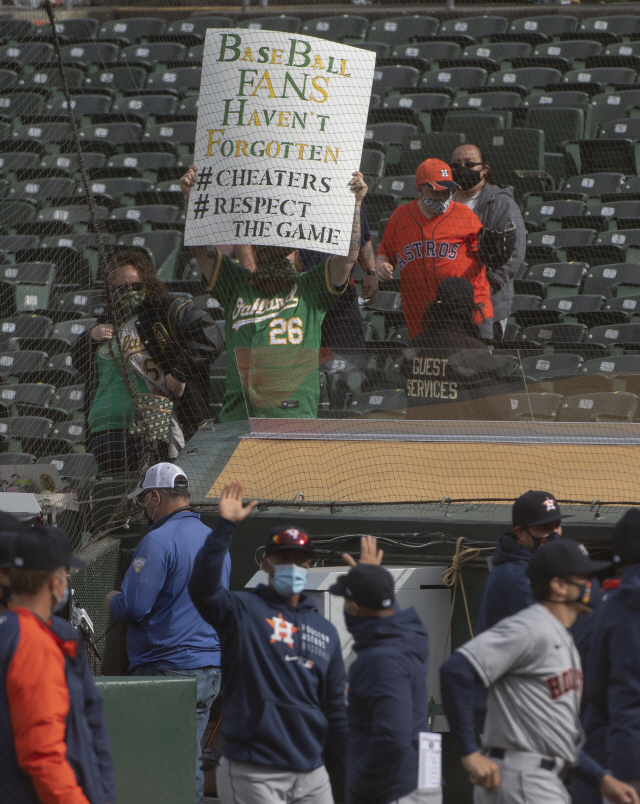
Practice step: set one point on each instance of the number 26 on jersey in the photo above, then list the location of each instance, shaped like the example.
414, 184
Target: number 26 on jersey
282, 332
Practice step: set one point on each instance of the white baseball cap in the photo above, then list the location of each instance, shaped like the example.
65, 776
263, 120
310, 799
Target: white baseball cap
162, 476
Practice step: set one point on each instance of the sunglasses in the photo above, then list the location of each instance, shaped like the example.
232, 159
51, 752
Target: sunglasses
291, 537
132, 286
469, 165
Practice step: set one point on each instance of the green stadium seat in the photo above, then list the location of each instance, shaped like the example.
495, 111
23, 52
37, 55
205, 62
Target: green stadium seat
596, 254
567, 100
64, 219
621, 368
90, 53
131, 30
180, 79
114, 191
173, 133
22, 332
44, 133
394, 77
622, 25
25, 361
471, 123
513, 149
557, 278
337, 29
29, 399
615, 406
146, 213
548, 25
16, 458
16, 29
595, 184
197, 26
27, 53
522, 302
615, 209
432, 51
573, 305
119, 77
382, 400
608, 280
10, 244
280, 23
570, 50
194, 55
544, 246
608, 156
66, 436
66, 332
152, 53
487, 101
400, 186
9, 80
615, 333
40, 190
67, 404
387, 133
81, 105
372, 162
132, 164
80, 468
111, 133
534, 407
477, 27
454, 78
18, 160
399, 30
555, 334
164, 247
5, 133
628, 240
45, 78
558, 124
428, 107
551, 367
15, 104
69, 30
418, 147
14, 213
527, 77
626, 128
605, 76
77, 304
26, 433
498, 51
623, 49
59, 371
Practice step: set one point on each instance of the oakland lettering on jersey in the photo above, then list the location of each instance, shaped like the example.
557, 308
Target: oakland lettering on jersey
428, 248
565, 682
263, 309
431, 389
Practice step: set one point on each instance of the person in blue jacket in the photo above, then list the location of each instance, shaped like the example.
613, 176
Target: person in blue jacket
166, 636
388, 702
612, 683
282, 664
536, 519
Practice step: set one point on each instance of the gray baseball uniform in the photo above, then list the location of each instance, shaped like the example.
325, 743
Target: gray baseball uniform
531, 668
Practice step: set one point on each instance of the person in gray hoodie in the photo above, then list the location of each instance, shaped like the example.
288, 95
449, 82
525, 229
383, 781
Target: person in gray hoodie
495, 206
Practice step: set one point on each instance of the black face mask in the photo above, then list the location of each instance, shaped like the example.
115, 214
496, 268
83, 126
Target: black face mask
465, 177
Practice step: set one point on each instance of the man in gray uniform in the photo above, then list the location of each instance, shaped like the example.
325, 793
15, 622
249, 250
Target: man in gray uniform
531, 668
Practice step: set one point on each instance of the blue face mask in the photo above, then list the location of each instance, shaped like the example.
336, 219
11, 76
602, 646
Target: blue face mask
289, 579
62, 603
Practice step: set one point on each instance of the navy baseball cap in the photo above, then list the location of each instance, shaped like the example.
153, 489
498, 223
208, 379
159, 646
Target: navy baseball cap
626, 538
367, 585
43, 547
560, 558
289, 538
10, 526
536, 508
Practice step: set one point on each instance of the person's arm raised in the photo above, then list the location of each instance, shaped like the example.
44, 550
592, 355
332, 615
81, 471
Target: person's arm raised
340, 267
204, 255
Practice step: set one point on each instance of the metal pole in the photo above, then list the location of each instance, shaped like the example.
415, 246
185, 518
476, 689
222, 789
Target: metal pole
450, 5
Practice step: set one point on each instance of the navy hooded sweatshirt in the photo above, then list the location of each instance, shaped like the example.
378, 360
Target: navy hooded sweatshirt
612, 685
388, 706
282, 667
508, 590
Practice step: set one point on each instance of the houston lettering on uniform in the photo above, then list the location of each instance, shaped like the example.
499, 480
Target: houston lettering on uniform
566, 682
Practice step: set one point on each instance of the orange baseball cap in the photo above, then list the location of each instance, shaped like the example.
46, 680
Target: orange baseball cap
437, 174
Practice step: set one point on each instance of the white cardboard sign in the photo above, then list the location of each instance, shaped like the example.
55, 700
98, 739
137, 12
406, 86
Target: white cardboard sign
281, 122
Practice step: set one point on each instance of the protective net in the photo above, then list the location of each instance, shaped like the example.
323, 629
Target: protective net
228, 333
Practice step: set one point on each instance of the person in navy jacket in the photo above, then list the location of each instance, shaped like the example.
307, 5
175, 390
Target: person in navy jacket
166, 635
388, 701
612, 681
282, 663
536, 518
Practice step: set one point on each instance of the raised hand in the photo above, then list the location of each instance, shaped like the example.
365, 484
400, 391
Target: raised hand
188, 181
358, 185
369, 553
230, 506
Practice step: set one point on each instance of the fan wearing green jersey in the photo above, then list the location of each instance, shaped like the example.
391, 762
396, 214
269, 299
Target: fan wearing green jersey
273, 322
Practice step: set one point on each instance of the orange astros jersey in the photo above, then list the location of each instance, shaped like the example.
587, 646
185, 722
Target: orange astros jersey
428, 250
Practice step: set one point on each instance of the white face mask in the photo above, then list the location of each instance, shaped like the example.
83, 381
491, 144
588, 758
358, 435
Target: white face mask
437, 207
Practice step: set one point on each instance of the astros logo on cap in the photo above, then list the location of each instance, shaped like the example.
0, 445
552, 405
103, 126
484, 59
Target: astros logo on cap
549, 504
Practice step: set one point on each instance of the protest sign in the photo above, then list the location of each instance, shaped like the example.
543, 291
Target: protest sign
281, 123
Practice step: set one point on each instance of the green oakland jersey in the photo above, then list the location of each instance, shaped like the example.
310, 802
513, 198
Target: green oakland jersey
272, 343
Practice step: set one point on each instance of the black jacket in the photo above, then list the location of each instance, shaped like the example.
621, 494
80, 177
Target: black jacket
181, 338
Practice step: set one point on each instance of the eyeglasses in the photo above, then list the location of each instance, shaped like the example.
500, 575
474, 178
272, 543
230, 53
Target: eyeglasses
141, 500
291, 537
469, 164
